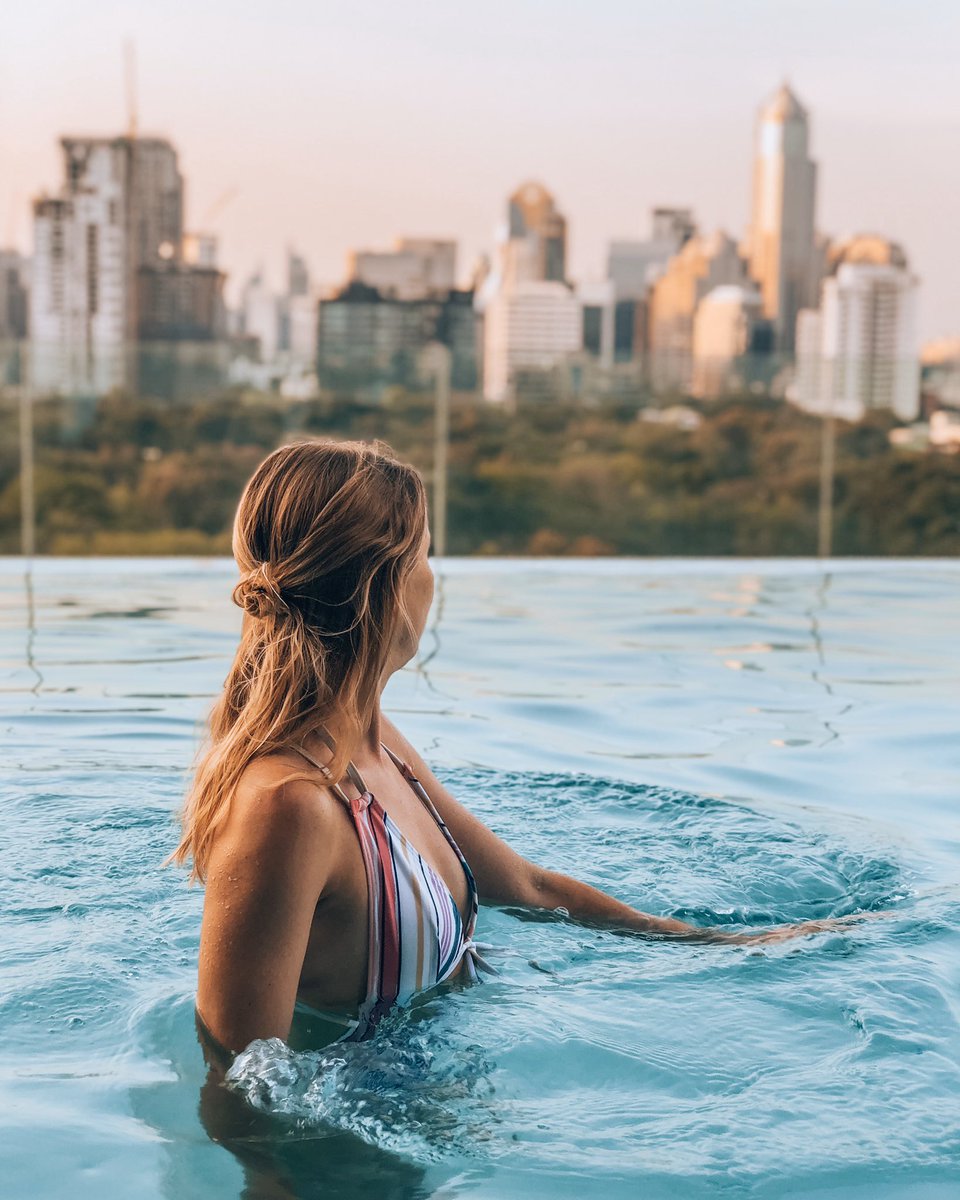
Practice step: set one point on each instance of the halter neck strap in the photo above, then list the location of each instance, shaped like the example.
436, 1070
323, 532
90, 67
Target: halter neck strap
351, 769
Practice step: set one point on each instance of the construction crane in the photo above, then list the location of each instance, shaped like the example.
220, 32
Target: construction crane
217, 207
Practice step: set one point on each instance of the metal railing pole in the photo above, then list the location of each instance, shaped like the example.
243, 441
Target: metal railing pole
441, 439
28, 519
825, 514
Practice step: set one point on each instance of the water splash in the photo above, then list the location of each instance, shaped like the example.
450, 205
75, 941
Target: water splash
400, 1090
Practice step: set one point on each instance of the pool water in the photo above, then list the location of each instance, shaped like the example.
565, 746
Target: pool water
728, 742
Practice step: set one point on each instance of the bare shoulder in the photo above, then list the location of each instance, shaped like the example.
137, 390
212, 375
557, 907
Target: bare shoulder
274, 804
273, 859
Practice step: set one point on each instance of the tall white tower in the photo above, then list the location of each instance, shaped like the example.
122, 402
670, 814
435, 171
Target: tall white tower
532, 318
859, 350
79, 301
780, 244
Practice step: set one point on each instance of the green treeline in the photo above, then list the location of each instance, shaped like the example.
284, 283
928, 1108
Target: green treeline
139, 477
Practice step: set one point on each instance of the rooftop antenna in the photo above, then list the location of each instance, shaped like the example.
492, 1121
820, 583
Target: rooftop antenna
130, 79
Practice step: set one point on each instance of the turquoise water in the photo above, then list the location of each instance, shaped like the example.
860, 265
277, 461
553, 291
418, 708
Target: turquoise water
727, 742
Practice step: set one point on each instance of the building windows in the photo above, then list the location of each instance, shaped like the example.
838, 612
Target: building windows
93, 269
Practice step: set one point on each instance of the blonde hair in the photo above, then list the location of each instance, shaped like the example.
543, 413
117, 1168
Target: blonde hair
324, 536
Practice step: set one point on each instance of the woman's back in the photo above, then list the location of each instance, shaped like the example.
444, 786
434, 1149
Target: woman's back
398, 908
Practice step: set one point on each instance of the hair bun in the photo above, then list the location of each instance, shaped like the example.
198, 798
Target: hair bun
258, 594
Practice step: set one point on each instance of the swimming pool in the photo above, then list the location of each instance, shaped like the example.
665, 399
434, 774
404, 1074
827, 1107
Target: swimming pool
722, 741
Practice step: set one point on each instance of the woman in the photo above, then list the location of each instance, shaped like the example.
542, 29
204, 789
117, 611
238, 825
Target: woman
342, 878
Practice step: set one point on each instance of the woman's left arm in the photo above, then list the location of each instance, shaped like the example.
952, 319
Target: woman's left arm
505, 877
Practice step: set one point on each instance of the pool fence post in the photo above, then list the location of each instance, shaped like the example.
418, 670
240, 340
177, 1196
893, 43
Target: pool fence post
28, 520
441, 427
825, 510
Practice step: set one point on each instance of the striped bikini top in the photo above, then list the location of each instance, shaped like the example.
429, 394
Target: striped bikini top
416, 932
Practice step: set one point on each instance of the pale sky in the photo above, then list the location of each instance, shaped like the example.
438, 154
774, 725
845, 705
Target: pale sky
343, 123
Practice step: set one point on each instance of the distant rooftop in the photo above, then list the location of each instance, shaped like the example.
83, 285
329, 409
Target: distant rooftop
866, 248
783, 107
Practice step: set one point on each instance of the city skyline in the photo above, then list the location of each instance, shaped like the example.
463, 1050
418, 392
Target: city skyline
880, 127
121, 290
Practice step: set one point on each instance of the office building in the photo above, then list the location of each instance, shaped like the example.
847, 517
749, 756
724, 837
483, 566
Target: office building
297, 315
368, 342
200, 249
940, 364
531, 325
298, 274
598, 315
81, 311
727, 326
780, 244
415, 269
531, 245
110, 271
634, 266
180, 302
702, 264
261, 316
300, 316
858, 351
532, 318
14, 295
536, 246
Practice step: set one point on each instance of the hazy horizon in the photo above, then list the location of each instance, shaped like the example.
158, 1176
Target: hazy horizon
345, 126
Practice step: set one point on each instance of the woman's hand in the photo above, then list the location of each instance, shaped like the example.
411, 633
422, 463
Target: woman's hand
782, 932
588, 904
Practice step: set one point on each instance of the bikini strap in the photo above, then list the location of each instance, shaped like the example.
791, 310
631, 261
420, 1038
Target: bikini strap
424, 795
415, 783
325, 771
351, 769
398, 761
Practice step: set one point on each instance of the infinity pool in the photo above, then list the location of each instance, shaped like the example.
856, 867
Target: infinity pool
736, 742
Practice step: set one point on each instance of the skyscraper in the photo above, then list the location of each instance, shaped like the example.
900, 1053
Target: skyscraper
534, 324
14, 293
535, 225
298, 315
780, 245
532, 316
261, 316
701, 264
80, 315
117, 217
634, 266
859, 350
298, 274
725, 328
377, 331
368, 341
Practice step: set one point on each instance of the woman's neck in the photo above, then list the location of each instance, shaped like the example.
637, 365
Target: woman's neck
369, 747
370, 742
